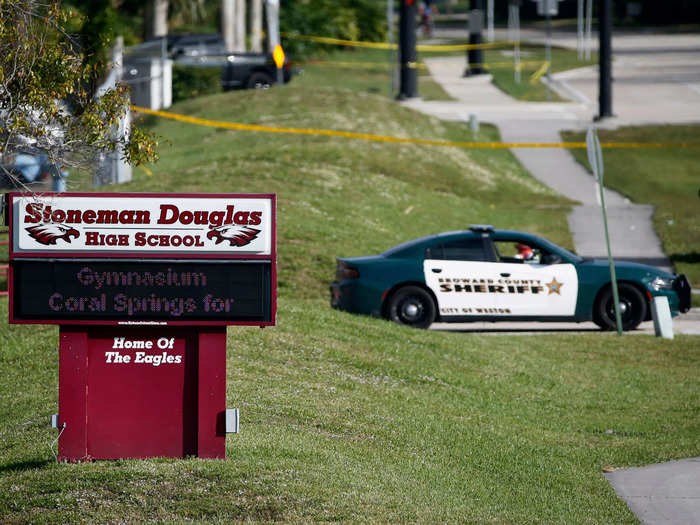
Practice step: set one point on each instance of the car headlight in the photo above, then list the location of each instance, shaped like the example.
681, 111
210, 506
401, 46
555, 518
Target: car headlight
659, 283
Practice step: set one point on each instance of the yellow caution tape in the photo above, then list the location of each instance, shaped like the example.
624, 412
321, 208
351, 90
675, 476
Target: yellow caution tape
386, 45
400, 140
541, 71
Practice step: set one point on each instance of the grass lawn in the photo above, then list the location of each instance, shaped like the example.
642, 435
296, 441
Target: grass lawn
664, 177
348, 418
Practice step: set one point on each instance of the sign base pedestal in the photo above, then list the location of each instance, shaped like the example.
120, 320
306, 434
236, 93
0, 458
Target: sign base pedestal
141, 392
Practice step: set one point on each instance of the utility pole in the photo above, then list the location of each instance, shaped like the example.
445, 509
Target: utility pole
605, 59
548, 47
579, 29
490, 34
514, 35
588, 39
475, 57
407, 50
390, 35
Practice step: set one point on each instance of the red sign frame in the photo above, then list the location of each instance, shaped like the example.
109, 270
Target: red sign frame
181, 364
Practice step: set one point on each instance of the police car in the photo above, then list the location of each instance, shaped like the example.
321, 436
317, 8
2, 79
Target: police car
484, 274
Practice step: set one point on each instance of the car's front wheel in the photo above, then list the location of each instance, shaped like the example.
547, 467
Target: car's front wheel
633, 308
412, 306
259, 80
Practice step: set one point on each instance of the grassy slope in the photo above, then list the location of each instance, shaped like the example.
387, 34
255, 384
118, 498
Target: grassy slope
351, 418
664, 177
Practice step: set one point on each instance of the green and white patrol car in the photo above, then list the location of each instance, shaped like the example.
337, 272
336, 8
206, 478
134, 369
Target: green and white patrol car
484, 274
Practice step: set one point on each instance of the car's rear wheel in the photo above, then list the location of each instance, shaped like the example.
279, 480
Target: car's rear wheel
259, 80
412, 306
633, 308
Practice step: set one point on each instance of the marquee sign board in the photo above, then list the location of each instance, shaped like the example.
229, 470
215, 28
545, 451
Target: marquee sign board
151, 259
141, 292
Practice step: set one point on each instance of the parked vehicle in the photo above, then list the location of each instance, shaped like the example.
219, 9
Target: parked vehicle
197, 45
484, 274
252, 71
240, 70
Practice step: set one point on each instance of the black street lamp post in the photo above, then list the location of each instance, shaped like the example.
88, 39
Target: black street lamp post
605, 60
408, 81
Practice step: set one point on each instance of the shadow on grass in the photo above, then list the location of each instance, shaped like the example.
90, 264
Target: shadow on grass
22, 466
146, 121
692, 257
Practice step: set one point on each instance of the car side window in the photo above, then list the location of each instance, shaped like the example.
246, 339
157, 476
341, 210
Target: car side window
461, 250
518, 251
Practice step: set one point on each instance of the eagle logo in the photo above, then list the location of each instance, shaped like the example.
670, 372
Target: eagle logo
234, 234
49, 233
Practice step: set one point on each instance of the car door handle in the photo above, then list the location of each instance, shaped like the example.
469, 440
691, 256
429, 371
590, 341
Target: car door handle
437, 270
505, 275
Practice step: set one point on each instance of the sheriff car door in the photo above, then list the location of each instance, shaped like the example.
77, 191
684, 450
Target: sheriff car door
459, 273
543, 286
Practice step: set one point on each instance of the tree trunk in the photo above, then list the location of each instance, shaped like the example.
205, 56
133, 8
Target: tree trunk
256, 24
228, 29
240, 25
156, 19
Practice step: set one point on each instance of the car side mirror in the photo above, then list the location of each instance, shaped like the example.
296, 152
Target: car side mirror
550, 258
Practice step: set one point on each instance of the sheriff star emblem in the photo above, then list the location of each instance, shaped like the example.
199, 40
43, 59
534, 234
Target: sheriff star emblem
554, 286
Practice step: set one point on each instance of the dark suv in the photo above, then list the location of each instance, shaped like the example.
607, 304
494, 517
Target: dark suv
240, 70
192, 46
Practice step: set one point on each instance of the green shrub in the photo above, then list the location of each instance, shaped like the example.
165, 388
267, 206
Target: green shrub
193, 81
346, 19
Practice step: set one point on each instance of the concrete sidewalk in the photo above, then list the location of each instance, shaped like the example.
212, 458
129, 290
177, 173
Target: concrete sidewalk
661, 494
